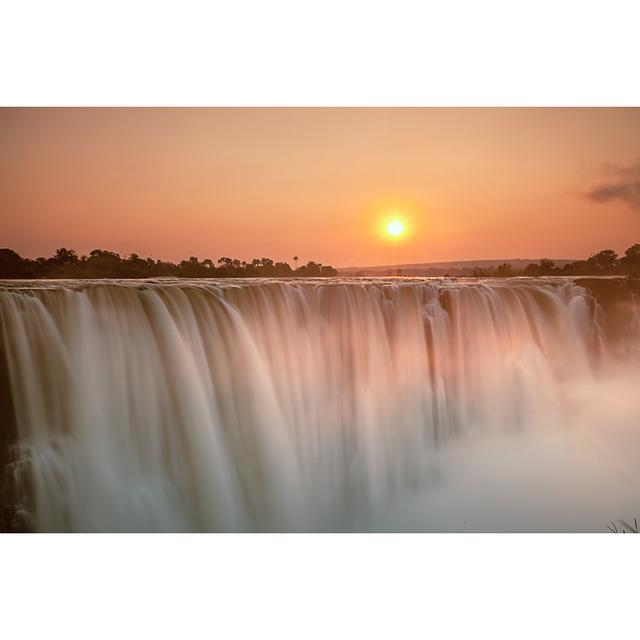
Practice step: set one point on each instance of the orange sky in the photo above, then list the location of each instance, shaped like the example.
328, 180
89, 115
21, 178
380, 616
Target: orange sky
171, 183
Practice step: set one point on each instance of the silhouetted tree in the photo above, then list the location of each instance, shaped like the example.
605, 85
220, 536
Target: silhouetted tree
12, 265
547, 267
604, 261
311, 270
66, 256
328, 272
532, 269
630, 261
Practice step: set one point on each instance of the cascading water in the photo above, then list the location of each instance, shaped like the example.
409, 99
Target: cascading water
308, 405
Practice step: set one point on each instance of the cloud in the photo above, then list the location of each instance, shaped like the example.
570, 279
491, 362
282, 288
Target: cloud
624, 185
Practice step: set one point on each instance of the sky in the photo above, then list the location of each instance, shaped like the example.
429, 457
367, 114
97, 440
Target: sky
321, 183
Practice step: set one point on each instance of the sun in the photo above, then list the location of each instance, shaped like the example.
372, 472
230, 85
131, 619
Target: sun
395, 228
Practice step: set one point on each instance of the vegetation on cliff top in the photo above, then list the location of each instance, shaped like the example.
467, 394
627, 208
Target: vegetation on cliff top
603, 263
66, 263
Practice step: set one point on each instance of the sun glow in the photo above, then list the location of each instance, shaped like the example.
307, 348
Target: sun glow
395, 228
394, 224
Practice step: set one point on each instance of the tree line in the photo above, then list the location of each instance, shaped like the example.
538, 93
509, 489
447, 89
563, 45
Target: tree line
603, 263
66, 263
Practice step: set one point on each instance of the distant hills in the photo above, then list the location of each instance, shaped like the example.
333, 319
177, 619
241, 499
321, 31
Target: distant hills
457, 268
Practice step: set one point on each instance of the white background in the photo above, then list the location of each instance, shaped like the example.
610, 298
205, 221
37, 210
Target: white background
319, 53
328, 52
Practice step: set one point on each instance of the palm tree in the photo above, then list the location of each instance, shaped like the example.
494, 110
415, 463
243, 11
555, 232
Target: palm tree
295, 261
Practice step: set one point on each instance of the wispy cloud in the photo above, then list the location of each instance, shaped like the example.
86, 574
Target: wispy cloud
623, 185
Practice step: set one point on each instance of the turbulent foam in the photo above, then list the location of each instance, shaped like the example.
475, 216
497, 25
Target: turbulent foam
232, 405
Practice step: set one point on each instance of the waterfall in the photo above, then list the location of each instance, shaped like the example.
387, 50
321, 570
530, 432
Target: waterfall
257, 405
